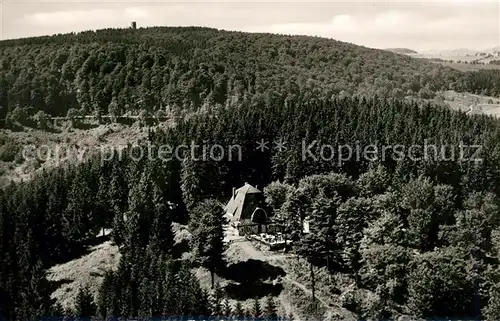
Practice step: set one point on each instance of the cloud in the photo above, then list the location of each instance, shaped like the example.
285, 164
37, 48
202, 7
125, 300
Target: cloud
136, 12
68, 17
416, 24
87, 17
394, 28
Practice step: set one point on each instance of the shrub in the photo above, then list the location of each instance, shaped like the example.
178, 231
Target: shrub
19, 158
73, 114
18, 115
143, 118
9, 151
41, 119
425, 93
351, 299
398, 93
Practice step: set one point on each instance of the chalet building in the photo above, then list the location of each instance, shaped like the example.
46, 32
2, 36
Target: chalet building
246, 210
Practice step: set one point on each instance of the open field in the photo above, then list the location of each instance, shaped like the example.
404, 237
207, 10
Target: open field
471, 103
87, 270
453, 57
458, 61
469, 67
487, 109
66, 145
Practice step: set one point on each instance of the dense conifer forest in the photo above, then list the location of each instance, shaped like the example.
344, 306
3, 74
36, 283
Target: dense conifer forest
418, 236
154, 70
421, 236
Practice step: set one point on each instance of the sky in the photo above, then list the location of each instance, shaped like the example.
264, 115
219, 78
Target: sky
419, 25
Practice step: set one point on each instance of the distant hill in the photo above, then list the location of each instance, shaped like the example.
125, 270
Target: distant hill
492, 50
405, 51
463, 59
450, 52
150, 70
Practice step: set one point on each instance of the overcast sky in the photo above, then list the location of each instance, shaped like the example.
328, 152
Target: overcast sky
419, 25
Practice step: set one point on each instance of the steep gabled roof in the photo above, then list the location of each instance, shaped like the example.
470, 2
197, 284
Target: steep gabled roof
236, 203
248, 189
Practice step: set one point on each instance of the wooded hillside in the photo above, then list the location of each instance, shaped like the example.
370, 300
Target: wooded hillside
120, 71
424, 239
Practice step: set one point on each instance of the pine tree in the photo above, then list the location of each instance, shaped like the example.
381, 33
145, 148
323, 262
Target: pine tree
77, 218
492, 310
351, 221
105, 304
34, 293
238, 311
117, 195
56, 311
139, 217
84, 304
217, 301
114, 109
256, 308
161, 232
226, 308
104, 210
146, 295
319, 247
270, 311
208, 235
190, 182
203, 304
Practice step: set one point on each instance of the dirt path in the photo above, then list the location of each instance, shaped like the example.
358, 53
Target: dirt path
305, 290
253, 253
243, 249
250, 251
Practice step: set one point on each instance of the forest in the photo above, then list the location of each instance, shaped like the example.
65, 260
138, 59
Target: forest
418, 238
157, 70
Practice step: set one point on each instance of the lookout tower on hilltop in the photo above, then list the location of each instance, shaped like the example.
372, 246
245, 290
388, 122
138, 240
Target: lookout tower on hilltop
133, 25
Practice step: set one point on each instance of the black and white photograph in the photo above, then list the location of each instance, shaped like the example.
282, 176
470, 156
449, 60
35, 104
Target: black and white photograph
249, 160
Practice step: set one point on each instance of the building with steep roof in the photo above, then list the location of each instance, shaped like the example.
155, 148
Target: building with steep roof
246, 210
